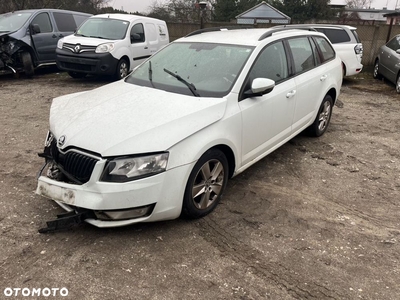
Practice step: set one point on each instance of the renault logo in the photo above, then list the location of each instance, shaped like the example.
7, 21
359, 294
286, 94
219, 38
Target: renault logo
61, 141
77, 48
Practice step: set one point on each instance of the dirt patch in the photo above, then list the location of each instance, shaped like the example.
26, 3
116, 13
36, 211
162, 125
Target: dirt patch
316, 219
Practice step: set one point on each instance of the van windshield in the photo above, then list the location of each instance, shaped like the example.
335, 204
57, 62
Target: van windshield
110, 29
13, 21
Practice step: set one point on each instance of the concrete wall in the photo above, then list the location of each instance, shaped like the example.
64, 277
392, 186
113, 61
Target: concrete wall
372, 36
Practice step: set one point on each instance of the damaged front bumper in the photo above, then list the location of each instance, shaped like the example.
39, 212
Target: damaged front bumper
10, 60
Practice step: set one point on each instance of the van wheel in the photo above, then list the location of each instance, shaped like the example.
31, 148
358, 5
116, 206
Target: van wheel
205, 185
398, 84
27, 63
77, 74
323, 118
122, 69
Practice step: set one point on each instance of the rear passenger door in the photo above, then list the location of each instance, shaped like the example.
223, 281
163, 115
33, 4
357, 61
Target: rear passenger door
310, 78
267, 119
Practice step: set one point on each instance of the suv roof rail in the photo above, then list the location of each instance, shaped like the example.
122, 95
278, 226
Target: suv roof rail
222, 28
283, 28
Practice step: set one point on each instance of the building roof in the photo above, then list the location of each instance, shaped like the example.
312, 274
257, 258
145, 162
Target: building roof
263, 11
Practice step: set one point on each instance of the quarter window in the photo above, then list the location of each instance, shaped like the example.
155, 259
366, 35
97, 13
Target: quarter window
336, 36
44, 23
302, 54
326, 48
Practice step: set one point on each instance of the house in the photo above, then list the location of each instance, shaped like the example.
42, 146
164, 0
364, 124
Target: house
262, 13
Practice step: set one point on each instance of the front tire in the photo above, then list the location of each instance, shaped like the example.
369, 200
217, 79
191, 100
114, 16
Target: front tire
375, 73
205, 185
398, 84
323, 118
27, 63
122, 69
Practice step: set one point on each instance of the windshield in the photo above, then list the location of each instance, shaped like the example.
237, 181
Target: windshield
102, 28
13, 21
198, 69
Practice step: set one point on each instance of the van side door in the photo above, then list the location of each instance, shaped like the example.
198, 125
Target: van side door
139, 46
44, 38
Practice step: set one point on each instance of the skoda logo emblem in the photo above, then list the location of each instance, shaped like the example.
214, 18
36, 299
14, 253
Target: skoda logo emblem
61, 141
77, 48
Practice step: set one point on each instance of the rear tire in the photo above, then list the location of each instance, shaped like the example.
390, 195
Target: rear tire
375, 73
323, 118
27, 63
77, 75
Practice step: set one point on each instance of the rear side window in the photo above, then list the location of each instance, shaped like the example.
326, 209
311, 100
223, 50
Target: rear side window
44, 23
65, 22
302, 54
326, 49
336, 36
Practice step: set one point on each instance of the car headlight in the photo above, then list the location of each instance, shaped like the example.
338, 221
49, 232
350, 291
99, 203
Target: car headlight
104, 48
125, 169
60, 43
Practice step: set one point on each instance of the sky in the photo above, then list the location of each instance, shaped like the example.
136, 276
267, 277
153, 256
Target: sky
144, 5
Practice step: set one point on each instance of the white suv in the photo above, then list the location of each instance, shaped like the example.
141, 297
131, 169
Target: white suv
164, 141
345, 41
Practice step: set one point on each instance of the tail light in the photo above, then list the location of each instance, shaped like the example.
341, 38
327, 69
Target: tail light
358, 49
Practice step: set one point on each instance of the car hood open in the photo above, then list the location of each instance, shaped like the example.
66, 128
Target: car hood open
122, 118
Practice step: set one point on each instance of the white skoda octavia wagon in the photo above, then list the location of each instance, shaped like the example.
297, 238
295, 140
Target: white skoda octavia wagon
163, 142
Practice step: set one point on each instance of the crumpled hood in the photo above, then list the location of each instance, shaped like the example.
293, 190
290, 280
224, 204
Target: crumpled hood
73, 39
122, 118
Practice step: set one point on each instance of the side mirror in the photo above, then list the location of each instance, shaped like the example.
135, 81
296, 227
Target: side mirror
35, 28
135, 38
259, 87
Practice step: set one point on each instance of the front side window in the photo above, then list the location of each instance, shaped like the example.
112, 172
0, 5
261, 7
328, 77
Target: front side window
13, 21
302, 54
271, 64
43, 20
103, 28
209, 69
137, 33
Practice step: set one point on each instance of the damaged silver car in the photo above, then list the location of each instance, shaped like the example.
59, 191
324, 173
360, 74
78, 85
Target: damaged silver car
28, 38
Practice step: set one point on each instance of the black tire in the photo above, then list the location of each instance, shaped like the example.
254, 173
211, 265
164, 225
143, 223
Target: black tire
122, 69
77, 75
398, 84
375, 72
323, 118
205, 185
27, 63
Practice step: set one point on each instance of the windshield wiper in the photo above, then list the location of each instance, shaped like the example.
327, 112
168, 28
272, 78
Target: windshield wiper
191, 86
151, 74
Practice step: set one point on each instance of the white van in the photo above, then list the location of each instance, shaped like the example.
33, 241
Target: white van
110, 44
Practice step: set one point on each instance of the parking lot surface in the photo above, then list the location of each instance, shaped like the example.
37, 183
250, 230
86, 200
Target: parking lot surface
319, 218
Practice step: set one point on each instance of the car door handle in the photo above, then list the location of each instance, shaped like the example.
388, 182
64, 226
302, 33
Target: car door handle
54, 36
324, 77
291, 94
146, 47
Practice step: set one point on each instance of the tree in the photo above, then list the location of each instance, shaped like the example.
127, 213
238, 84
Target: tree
304, 10
359, 3
226, 10
176, 10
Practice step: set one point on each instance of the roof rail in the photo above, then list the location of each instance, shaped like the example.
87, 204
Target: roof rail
284, 28
222, 28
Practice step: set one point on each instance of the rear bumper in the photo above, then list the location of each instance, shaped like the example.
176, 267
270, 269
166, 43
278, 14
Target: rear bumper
99, 64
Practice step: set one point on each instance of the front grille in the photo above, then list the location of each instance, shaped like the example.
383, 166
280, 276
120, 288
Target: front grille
83, 48
76, 165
